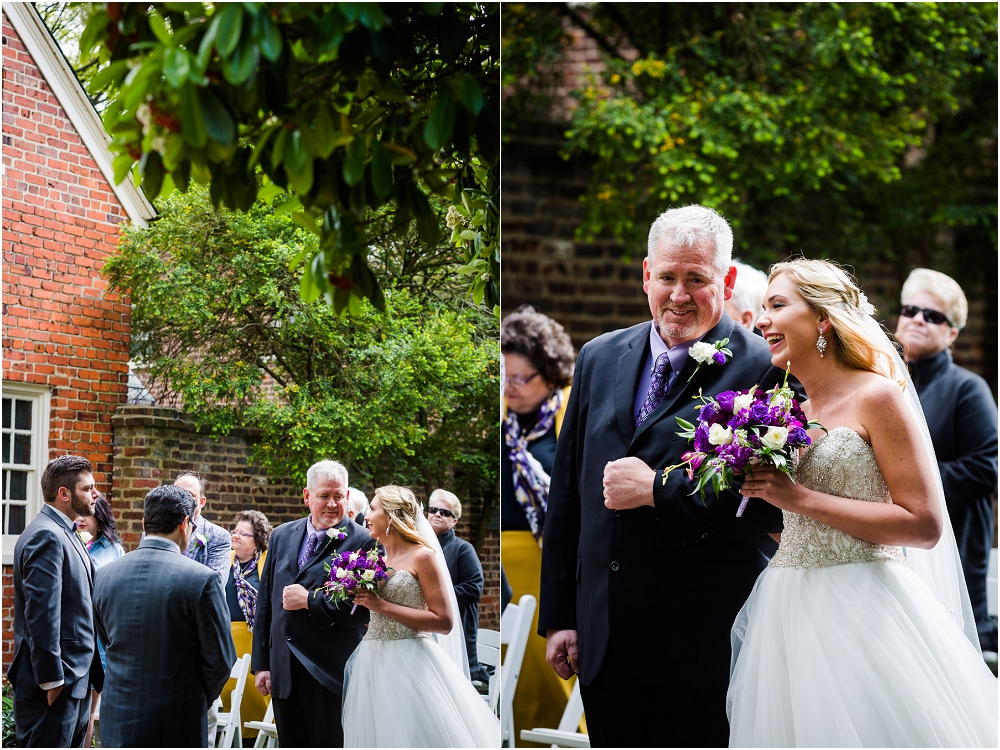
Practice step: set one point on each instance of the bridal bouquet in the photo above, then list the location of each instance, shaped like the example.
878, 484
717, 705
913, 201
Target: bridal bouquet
738, 430
350, 572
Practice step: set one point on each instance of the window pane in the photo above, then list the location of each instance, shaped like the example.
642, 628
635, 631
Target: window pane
6, 413
22, 415
15, 519
17, 485
22, 449
6, 447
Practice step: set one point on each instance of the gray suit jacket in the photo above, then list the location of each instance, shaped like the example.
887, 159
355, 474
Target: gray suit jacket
164, 623
53, 614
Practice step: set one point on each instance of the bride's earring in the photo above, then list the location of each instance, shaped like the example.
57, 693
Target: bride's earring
821, 344
388, 528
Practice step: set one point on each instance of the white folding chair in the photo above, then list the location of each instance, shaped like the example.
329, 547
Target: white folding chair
267, 732
229, 731
488, 653
566, 735
515, 627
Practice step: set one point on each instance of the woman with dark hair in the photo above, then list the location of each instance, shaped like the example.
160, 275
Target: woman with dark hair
99, 534
538, 363
249, 537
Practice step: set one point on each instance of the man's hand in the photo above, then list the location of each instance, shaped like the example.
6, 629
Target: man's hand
562, 652
263, 682
295, 597
53, 693
628, 483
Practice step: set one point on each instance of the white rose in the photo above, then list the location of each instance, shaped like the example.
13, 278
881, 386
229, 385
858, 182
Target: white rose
354, 556
742, 402
341, 573
775, 437
701, 352
368, 575
86, 536
719, 435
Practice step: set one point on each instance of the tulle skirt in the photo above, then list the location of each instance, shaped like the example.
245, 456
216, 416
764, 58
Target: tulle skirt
855, 655
409, 693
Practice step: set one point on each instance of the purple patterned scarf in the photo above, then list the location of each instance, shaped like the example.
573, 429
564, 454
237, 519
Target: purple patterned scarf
531, 483
246, 594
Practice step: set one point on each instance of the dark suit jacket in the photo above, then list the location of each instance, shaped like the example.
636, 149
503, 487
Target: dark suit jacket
164, 623
53, 613
669, 578
323, 636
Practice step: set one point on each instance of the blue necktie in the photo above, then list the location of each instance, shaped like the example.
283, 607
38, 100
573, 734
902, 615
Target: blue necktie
310, 550
658, 386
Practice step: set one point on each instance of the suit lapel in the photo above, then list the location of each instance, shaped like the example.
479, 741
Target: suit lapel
629, 369
76, 543
681, 388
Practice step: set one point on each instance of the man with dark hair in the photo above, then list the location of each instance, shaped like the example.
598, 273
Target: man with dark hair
209, 543
55, 654
165, 626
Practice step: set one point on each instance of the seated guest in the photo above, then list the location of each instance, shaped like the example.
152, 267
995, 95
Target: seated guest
962, 418
443, 512
747, 301
250, 535
103, 545
163, 620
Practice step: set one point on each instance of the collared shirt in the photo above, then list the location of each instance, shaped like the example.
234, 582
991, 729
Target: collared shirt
657, 346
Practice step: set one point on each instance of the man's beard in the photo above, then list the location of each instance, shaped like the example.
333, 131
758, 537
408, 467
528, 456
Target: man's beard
679, 331
80, 505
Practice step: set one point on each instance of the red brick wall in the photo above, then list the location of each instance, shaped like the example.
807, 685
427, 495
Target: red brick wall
60, 221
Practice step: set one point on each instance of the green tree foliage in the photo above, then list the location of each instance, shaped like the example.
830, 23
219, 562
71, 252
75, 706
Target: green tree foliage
857, 131
348, 107
406, 396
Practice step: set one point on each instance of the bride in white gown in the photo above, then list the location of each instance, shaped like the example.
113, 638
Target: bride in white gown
859, 633
401, 687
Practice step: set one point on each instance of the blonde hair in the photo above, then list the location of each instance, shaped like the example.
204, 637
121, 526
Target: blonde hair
449, 497
956, 306
401, 506
828, 289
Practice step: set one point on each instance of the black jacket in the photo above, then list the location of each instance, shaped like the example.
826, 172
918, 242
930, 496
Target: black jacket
962, 419
467, 577
673, 576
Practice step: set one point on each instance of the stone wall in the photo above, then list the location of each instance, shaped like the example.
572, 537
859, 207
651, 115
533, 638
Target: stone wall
152, 444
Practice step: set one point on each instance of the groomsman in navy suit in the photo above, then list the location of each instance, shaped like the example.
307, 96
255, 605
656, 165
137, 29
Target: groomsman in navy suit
301, 642
640, 581
55, 653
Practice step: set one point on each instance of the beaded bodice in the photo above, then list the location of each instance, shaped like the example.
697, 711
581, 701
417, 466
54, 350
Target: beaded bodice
404, 589
840, 463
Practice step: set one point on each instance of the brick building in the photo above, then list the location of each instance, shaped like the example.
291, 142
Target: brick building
65, 339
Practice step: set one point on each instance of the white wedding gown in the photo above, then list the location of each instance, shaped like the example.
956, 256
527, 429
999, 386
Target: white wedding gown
402, 690
841, 645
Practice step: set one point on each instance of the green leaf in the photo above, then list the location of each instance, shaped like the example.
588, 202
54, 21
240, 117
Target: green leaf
269, 37
122, 165
228, 33
278, 152
195, 132
354, 161
182, 175
298, 164
441, 123
242, 64
158, 27
112, 72
151, 168
382, 182
469, 93
176, 66
324, 131
93, 32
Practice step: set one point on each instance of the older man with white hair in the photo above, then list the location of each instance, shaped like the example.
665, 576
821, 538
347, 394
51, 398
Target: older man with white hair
748, 295
962, 419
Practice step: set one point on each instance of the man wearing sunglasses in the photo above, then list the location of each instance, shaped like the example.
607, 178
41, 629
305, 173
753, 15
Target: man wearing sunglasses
962, 419
443, 512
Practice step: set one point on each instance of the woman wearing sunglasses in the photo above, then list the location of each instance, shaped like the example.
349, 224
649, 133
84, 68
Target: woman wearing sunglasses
962, 419
249, 536
539, 361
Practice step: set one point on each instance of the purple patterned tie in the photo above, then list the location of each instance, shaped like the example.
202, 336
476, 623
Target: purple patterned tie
310, 549
657, 387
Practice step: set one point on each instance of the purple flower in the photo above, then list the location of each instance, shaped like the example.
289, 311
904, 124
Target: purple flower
719, 358
708, 412
701, 444
797, 436
725, 400
740, 420
759, 412
696, 459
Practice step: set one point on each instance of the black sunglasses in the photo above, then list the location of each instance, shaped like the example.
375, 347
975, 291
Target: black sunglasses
441, 511
931, 316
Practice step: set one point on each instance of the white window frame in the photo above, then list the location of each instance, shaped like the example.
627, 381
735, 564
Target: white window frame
40, 397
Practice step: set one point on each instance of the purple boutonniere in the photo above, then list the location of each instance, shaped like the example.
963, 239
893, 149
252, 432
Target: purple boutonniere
709, 354
200, 541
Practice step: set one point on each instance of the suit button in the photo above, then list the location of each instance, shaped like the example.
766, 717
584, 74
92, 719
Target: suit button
288, 637
615, 565
618, 512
